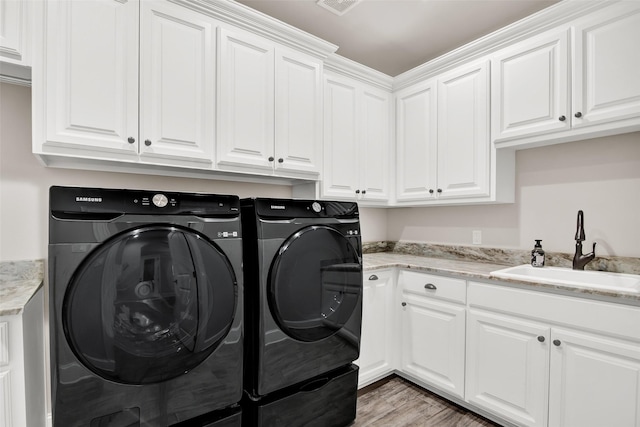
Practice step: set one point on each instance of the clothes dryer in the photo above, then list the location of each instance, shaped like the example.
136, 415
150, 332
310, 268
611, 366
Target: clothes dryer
145, 306
303, 291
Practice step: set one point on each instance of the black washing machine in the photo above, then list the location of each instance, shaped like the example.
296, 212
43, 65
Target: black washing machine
146, 307
303, 305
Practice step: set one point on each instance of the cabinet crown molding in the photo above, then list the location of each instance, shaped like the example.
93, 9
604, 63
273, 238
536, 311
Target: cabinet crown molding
244, 17
549, 18
352, 69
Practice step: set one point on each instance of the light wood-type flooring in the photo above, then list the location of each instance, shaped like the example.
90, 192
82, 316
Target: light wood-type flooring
398, 403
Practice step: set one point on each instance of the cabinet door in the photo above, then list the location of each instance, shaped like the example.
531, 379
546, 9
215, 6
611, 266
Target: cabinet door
530, 87
91, 82
246, 101
433, 343
374, 145
177, 83
508, 367
416, 164
595, 381
376, 344
341, 150
298, 114
606, 61
14, 31
463, 132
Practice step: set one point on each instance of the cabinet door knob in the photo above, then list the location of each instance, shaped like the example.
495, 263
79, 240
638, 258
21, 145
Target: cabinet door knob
541, 338
404, 304
357, 191
578, 114
147, 142
431, 191
280, 160
373, 277
430, 286
562, 118
270, 158
131, 140
364, 191
557, 343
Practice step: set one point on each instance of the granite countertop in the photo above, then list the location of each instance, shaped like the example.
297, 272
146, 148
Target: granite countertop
482, 271
19, 282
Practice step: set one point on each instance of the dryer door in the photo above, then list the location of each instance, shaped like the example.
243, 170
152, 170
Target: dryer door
149, 304
315, 282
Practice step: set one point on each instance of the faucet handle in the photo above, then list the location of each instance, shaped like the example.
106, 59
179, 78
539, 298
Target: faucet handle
580, 237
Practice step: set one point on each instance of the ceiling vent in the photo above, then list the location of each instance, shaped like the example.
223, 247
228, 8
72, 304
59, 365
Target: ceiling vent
339, 7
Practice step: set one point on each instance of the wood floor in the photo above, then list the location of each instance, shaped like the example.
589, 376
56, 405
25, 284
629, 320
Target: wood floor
399, 403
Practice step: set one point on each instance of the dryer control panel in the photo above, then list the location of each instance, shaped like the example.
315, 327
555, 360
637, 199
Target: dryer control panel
286, 208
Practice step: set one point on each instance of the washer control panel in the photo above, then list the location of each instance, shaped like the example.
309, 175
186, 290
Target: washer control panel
79, 200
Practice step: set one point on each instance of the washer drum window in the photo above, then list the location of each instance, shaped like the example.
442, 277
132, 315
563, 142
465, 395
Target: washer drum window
149, 304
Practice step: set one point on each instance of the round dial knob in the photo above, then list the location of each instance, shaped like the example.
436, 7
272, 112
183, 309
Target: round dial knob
316, 207
160, 200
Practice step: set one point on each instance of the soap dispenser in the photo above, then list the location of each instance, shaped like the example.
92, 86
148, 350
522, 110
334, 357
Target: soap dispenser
537, 255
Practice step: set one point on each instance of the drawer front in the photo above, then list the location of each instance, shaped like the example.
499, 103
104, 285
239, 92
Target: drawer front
429, 285
596, 316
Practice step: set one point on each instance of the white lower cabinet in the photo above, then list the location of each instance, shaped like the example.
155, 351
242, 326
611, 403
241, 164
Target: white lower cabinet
508, 367
432, 325
376, 342
539, 359
595, 380
22, 376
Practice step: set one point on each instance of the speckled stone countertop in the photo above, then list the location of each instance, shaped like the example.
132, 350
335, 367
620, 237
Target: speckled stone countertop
19, 281
471, 270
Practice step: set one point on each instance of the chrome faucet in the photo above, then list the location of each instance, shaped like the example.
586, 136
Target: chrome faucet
580, 260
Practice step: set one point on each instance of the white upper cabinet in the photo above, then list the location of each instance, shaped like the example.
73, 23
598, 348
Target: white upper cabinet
90, 85
269, 107
157, 86
530, 87
416, 142
574, 82
246, 103
443, 147
357, 141
177, 84
99, 103
15, 27
298, 115
341, 147
606, 65
375, 156
463, 132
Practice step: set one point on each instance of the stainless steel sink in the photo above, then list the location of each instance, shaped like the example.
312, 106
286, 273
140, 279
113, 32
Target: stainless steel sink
568, 277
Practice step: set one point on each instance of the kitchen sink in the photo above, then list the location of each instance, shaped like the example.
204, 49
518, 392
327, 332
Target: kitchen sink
568, 277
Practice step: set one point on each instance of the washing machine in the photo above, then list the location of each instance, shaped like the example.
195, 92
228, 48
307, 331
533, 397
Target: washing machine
146, 307
303, 293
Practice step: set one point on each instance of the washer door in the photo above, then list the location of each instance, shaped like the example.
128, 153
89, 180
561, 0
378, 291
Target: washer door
149, 304
315, 282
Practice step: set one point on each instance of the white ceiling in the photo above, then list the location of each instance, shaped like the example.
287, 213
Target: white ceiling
393, 36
